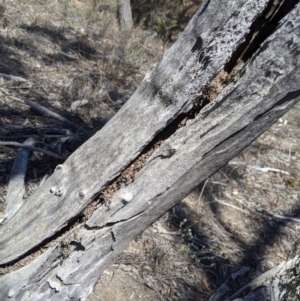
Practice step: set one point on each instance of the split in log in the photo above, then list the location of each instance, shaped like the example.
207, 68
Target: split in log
232, 73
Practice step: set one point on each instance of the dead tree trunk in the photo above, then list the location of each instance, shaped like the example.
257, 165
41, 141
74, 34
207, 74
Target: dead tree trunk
231, 74
124, 15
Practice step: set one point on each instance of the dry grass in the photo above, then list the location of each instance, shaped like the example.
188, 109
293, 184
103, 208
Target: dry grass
236, 222
68, 52
73, 50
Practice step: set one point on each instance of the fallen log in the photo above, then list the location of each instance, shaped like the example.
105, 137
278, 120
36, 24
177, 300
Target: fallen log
232, 73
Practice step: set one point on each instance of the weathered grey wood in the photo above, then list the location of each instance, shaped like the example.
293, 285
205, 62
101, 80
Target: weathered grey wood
269, 280
213, 34
124, 14
47, 112
29, 147
16, 186
263, 91
12, 77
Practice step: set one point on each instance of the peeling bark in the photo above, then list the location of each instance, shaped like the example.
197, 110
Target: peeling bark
16, 187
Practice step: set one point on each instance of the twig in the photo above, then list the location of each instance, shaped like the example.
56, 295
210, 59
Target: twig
262, 169
13, 97
232, 206
262, 211
267, 169
12, 77
31, 148
217, 183
43, 129
49, 113
20, 136
4, 91
200, 196
286, 218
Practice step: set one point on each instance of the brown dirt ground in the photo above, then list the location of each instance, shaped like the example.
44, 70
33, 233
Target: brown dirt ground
70, 51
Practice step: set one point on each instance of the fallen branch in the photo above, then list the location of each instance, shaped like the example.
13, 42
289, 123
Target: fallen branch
194, 113
262, 169
232, 206
47, 112
268, 169
16, 188
282, 217
260, 211
31, 148
12, 77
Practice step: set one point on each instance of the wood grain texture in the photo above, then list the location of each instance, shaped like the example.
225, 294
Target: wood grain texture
264, 89
180, 76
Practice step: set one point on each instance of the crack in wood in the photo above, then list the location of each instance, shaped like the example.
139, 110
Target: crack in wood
289, 96
198, 45
260, 30
267, 23
113, 236
111, 224
127, 176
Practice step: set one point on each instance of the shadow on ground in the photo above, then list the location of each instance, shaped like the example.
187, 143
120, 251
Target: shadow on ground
266, 236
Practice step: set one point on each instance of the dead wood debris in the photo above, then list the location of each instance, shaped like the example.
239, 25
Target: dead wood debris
90, 207
48, 112
270, 277
127, 176
13, 78
31, 148
16, 187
